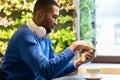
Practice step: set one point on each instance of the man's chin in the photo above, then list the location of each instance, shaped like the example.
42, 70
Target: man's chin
48, 31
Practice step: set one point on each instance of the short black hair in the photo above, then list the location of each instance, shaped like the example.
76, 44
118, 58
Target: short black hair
44, 4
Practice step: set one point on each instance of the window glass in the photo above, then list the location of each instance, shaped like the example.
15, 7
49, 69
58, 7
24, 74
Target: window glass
107, 27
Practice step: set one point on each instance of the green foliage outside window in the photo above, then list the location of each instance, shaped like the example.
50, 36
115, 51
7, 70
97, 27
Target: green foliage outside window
87, 18
62, 39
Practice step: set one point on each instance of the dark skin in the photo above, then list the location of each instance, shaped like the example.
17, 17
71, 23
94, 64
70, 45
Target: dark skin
48, 20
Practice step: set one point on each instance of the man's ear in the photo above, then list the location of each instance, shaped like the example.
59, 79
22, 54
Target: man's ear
41, 12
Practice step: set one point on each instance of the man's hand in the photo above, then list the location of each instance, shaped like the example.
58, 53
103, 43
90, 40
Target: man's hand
86, 56
91, 50
79, 45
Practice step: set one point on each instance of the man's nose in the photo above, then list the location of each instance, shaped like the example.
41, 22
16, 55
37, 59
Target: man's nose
56, 22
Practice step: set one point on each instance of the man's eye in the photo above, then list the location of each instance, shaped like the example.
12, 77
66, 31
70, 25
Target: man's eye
55, 17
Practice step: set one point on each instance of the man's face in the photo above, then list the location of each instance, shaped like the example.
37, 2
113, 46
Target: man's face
49, 21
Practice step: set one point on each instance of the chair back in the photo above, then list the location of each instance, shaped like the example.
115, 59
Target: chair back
2, 76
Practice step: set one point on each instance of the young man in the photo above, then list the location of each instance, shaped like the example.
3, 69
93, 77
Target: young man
29, 55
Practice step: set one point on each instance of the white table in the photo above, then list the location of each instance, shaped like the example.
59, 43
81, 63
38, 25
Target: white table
81, 77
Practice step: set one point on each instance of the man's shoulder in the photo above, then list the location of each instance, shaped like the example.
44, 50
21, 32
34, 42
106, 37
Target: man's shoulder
24, 30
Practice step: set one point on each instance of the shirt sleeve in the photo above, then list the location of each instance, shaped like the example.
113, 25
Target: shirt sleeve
51, 51
69, 69
31, 54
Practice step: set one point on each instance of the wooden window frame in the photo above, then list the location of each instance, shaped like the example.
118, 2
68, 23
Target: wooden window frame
107, 59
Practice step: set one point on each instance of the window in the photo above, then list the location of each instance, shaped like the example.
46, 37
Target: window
117, 34
107, 27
